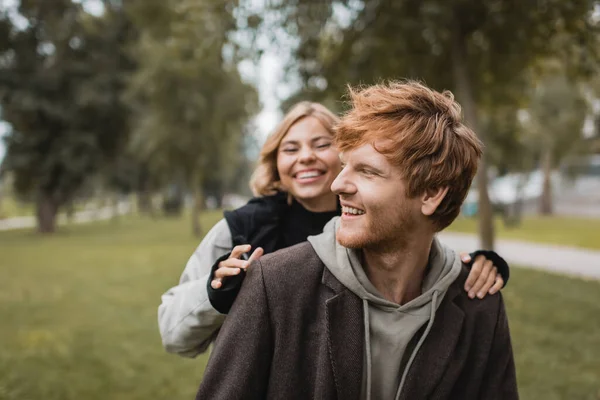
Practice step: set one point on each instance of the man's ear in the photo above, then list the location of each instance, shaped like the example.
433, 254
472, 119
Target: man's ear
431, 199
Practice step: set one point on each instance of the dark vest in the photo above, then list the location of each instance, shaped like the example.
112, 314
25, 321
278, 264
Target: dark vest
258, 222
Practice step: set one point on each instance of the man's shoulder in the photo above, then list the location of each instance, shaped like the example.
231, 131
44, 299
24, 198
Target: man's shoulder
486, 308
299, 260
295, 271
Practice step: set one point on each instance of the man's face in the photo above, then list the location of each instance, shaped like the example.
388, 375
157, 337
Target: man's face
375, 209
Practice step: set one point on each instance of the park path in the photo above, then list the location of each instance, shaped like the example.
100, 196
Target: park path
547, 257
79, 217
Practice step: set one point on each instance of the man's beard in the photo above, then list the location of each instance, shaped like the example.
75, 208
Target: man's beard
380, 233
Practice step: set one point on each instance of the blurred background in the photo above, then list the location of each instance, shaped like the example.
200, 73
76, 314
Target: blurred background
127, 127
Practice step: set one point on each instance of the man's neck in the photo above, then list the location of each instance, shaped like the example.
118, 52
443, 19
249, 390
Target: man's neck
397, 272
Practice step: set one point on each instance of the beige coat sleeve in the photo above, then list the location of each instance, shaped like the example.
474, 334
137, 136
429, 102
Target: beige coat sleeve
187, 321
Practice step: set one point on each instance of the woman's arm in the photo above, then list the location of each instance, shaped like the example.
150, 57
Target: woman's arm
187, 321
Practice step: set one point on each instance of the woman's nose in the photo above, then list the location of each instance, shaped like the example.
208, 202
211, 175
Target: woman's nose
307, 154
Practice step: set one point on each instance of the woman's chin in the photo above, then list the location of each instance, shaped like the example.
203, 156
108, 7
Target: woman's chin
316, 199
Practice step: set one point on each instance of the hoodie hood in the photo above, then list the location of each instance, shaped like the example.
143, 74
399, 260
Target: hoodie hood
344, 264
392, 337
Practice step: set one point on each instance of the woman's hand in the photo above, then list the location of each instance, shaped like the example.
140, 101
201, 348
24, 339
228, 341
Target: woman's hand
233, 265
483, 277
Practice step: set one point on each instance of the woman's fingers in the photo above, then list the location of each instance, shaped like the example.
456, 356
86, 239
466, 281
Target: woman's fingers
222, 273
256, 254
474, 273
239, 250
484, 272
233, 265
225, 272
488, 283
465, 257
499, 284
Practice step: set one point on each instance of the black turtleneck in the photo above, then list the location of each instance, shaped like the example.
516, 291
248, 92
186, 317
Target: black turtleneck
299, 223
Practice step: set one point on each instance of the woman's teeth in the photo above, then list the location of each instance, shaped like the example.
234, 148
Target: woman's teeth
308, 174
350, 210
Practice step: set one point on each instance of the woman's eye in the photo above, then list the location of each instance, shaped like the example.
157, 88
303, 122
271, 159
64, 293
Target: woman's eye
290, 150
324, 146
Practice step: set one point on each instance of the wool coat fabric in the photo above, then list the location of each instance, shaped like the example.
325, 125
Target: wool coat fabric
295, 332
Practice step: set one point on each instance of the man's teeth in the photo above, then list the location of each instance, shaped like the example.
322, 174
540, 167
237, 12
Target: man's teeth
311, 174
350, 210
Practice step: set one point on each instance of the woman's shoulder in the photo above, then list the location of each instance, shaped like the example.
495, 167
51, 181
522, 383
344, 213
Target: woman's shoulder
258, 212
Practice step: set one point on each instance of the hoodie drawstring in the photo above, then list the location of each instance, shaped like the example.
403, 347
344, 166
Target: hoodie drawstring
420, 343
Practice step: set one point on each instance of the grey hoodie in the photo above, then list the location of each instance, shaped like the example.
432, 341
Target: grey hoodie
389, 328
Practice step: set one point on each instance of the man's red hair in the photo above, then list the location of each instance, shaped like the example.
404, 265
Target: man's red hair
421, 132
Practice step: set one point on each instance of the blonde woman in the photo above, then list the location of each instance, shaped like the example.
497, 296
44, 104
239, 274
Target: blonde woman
292, 183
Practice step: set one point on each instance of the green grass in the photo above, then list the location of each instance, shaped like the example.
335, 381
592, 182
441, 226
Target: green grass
78, 318
577, 232
9, 207
78, 312
554, 323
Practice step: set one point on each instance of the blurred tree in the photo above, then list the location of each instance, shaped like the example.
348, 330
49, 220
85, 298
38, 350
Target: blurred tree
60, 84
190, 102
480, 49
556, 116
234, 165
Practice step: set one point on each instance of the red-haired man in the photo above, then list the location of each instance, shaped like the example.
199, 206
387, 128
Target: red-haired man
373, 308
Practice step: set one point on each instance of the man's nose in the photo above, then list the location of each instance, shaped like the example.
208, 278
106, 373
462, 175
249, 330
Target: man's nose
342, 185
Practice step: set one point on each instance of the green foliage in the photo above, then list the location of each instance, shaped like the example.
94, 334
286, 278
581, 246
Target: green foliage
482, 50
557, 111
81, 323
190, 102
61, 78
416, 39
503, 44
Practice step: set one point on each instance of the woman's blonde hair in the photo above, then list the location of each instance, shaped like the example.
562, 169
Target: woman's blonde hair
265, 180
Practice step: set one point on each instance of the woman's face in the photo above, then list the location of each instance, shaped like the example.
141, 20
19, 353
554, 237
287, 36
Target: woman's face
307, 164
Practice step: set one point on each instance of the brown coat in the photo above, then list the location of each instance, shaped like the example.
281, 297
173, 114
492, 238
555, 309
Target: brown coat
295, 332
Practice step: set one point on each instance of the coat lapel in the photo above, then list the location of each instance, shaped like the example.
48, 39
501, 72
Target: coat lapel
345, 331
433, 358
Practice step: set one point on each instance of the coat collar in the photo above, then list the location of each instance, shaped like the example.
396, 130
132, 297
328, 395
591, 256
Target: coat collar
345, 330
435, 356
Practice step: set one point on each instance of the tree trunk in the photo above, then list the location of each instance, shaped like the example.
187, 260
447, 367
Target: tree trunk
1, 204
70, 211
46, 210
546, 203
196, 209
115, 207
144, 202
465, 96
144, 199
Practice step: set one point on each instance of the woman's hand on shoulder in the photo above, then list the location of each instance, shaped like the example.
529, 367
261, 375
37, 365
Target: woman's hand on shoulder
234, 264
483, 278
